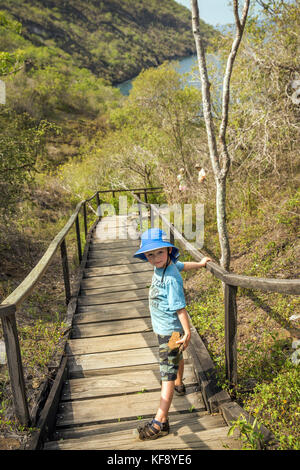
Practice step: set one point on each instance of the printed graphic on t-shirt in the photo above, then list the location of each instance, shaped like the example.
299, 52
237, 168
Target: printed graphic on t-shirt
153, 296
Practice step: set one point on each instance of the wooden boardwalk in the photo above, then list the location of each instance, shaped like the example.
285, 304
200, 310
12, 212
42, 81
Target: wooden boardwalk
113, 374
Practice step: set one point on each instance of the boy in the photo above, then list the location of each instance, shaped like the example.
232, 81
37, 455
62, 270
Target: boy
168, 315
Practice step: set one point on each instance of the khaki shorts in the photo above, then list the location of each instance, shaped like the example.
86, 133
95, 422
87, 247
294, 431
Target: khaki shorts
168, 359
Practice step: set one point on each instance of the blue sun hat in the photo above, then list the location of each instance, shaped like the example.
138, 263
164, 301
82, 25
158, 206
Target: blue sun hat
153, 239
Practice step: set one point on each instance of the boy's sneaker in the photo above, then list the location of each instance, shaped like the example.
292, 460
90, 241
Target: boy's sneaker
149, 432
180, 389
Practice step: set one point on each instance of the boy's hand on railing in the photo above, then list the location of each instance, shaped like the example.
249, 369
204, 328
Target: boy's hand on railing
189, 265
204, 260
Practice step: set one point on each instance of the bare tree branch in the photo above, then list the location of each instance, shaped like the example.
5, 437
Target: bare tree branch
220, 169
226, 82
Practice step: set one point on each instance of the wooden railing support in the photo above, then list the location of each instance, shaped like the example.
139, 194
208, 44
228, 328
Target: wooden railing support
230, 334
78, 239
85, 219
65, 265
145, 195
14, 361
98, 204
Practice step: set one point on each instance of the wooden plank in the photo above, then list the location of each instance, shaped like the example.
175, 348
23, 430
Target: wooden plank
136, 307
105, 290
98, 250
117, 384
111, 343
112, 328
108, 360
94, 262
122, 407
115, 245
107, 255
212, 439
116, 280
116, 233
180, 438
121, 269
113, 297
197, 420
204, 421
94, 316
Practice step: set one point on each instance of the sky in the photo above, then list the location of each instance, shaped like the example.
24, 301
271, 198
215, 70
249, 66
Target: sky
212, 11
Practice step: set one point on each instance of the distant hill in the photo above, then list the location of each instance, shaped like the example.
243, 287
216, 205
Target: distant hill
115, 39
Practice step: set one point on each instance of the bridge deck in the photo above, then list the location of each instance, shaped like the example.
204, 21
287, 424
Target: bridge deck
113, 375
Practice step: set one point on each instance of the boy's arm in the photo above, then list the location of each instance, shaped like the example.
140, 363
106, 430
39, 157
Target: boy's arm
188, 265
184, 320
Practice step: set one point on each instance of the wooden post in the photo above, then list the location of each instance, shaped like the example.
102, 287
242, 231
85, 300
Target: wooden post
230, 334
151, 217
14, 360
85, 219
65, 265
145, 195
98, 205
78, 239
171, 237
140, 213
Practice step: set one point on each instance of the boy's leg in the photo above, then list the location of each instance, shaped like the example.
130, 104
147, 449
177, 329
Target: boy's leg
169, 361
167, 391
179, 377
171, 364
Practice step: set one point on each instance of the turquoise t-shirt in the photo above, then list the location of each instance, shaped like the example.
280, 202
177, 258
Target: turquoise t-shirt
165, 298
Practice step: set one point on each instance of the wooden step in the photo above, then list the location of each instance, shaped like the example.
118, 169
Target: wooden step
117, 327
187, 431
144, 404
97, 250
113, 297
211, 439
109, 360
95, 262
132, 309
118, 270
115, 384
198, 421
107, 289
114, 245
113, 255
111, 343
116, 280
94, 316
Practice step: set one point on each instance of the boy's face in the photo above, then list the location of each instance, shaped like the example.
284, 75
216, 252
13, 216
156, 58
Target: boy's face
158, 258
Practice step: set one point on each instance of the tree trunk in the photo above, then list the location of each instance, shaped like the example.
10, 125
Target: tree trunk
220, 161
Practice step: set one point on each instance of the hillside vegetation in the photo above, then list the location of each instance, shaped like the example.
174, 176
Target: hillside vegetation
65, 132
114, 39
